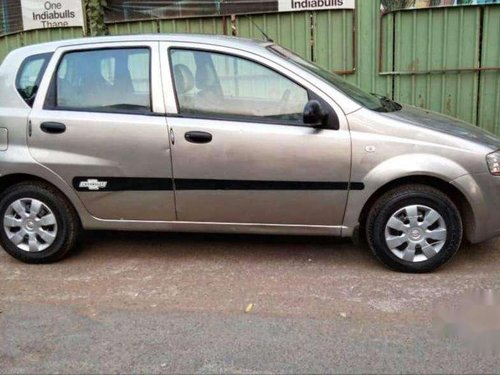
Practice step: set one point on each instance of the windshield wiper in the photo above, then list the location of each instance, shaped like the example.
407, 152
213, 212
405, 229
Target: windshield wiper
389, 104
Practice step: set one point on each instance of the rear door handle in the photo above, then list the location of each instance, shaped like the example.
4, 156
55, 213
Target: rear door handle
198, 137
53, 127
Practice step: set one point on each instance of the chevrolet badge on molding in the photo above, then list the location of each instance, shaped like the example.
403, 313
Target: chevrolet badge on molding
93, 184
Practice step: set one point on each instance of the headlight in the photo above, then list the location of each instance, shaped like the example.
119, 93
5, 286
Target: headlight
493, 161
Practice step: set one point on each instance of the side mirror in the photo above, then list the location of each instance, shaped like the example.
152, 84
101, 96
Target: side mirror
314, 114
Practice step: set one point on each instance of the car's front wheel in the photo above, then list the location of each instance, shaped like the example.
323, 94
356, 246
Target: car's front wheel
414, 228
38, 224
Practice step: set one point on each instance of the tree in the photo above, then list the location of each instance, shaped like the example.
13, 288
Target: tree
95, 17
397, 4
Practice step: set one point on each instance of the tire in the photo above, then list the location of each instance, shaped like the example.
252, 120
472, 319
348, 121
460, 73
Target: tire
426, 246
40, 243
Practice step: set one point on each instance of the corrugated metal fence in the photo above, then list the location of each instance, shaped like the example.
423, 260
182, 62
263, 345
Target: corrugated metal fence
444, 59
447, 60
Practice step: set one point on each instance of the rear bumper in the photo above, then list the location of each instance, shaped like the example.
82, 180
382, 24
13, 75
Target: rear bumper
483, 193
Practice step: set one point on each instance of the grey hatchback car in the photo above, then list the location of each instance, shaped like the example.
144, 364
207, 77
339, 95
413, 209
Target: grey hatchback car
219, 134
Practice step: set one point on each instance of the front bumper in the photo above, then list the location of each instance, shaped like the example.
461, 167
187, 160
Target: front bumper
483, 193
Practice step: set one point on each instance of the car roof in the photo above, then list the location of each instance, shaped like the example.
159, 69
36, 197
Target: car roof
220, 40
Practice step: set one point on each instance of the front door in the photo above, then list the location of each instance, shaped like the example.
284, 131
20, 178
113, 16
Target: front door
101, 129
241, 153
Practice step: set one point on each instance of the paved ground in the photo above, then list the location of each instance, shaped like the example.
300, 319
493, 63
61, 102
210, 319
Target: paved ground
150, 303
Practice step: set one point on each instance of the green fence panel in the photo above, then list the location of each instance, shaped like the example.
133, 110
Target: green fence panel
127, 28
185, 25
368, 47
333, 39
48, 35
206, 25
385, 56
9, 43
291, 30
489, 93
437, 39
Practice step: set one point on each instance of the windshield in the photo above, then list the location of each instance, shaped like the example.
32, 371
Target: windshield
370, 101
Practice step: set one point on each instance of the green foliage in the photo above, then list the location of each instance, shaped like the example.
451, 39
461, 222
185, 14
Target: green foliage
397, 4
95, 17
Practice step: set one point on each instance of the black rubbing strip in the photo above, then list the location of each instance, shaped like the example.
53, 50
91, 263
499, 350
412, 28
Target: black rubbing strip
121, 184
198, 184
165, 184
357, 186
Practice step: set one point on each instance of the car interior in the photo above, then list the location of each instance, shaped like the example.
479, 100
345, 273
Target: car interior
234, 87
112, 80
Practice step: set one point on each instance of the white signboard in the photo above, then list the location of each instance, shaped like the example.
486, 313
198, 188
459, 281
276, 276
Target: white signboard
298, 5
41, 14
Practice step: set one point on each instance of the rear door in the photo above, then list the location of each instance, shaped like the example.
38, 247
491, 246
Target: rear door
241, 153
101, 128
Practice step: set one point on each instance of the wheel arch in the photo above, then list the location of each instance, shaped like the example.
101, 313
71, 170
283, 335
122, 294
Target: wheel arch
11, 179
457, 196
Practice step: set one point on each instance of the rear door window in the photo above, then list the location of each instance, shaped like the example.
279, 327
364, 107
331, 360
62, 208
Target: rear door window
29, 76
107, 80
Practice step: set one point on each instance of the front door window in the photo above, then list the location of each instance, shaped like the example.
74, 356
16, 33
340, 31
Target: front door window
220, 85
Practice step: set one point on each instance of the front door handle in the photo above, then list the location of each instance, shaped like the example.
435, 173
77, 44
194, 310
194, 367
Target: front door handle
53, 127
198, 137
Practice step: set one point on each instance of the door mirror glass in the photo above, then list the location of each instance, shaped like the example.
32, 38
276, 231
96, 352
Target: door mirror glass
314, 114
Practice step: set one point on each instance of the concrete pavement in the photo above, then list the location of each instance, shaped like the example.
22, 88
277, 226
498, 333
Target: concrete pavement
163, 303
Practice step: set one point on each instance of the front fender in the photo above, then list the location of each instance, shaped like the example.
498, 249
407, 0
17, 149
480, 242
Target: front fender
412, 165
398, 167
482, 191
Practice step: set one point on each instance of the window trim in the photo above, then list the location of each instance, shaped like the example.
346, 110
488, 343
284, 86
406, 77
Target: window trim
333, 120
46, 56
51, 95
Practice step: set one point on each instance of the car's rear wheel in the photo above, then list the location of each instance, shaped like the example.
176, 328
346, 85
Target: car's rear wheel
414, 228
38, 223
